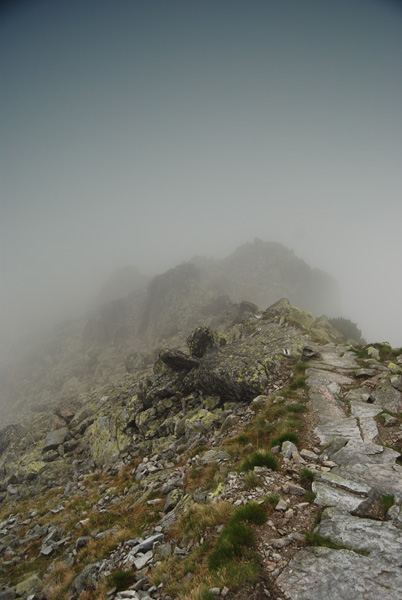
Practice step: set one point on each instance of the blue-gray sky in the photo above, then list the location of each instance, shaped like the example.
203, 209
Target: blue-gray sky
145, 132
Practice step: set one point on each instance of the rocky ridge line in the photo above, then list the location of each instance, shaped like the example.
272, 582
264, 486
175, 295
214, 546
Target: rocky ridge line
148, 470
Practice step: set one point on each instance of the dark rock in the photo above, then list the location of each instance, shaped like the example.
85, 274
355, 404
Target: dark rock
308, 353
200, 341
82, 541
177, 360
85, 580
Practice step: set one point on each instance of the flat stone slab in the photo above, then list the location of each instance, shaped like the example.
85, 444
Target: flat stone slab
319, 573
361, 394
359, 452
366, 373
336, 356
324, 387
384, 479
365, 535
316, 376
345, 428
368, 428
364, 409
327, 495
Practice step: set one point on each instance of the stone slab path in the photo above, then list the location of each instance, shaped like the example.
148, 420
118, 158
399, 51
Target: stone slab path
368, 562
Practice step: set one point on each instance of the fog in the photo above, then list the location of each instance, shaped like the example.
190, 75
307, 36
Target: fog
144, 133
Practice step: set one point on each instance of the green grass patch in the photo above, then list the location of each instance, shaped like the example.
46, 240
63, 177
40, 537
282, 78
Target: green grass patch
236, 536
272, 499
387, 352
309, 497
296, 407
259, 458
299, 382
315, 539
252, 480
388, 500
121, 580
306, 476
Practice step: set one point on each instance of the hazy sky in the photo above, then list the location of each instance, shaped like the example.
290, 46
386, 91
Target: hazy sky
144, 132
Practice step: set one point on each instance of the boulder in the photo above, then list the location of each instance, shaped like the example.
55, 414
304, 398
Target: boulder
200, 341
177, 360
54, 439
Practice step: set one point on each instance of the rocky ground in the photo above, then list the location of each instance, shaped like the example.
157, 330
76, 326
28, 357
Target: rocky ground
128, 495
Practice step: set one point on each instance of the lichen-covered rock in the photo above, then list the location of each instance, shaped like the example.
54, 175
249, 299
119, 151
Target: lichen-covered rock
200, 341
282, 311
107, 440
85, 580
30, 585
201, 422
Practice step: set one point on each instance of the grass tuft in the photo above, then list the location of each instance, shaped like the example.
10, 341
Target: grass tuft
252, 480
388, 500
259, 458
236, 536
272, 499
306, 476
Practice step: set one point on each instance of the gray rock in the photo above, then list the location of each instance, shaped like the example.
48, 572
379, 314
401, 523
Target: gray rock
366, 373
396, 382
287, 449
389, 420
326, 404
86, 579
341, 428
361, 394
373, 352
394, 514
383, 479
7, 593
320, 573
387, 396
177, 360
143, 560
165, 550
281, 506
359, 452
360, 534
309, 455
55, 439
296, 490
148, 543
47, 549
364, 409
212, 456
368, 428
327, 495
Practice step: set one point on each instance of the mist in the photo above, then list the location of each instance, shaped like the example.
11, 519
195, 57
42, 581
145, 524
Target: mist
144, 133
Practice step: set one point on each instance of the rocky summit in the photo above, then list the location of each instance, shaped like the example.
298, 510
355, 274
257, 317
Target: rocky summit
260, 459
